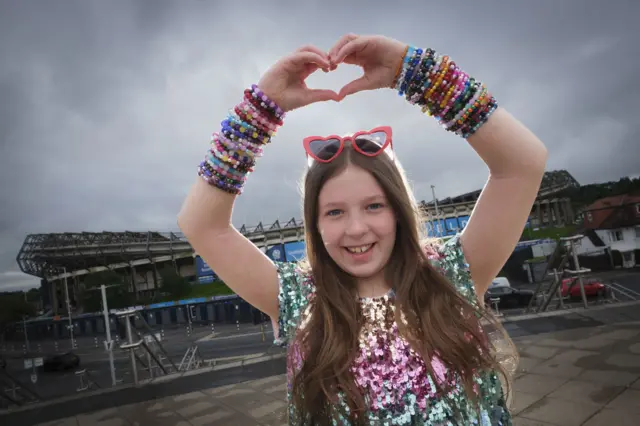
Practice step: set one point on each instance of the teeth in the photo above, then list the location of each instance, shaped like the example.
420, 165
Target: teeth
361, 249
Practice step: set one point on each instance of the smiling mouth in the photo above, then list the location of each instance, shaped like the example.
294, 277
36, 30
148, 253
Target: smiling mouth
360, 249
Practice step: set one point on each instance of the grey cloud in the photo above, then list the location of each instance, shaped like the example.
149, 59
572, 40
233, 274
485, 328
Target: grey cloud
107, 107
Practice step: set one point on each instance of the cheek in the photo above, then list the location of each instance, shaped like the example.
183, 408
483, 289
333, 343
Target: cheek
331, 234
386, 226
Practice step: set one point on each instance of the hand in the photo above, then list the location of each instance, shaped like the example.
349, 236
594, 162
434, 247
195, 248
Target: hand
284, 82
378, 56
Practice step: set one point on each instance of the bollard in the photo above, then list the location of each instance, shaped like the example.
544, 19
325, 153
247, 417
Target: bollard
39, 348
24, 349
188, 331
55, 346
213, 329
95, 341
162, 334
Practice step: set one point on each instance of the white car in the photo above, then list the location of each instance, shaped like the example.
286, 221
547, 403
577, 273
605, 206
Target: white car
500, 282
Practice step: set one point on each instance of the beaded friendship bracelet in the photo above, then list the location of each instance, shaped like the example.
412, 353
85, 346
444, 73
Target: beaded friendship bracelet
234, 149
460, 103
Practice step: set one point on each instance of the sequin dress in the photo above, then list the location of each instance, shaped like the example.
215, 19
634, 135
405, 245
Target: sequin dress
393, 377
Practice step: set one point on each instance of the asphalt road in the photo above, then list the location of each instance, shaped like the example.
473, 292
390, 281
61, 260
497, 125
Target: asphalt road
225, 347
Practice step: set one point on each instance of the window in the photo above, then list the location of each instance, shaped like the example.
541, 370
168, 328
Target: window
616, 236
637, 232
638, 208
627, 256
589, 217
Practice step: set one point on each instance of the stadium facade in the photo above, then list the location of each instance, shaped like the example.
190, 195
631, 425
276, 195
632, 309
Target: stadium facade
59, 257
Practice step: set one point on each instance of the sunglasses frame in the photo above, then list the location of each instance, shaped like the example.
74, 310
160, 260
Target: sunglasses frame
342, 139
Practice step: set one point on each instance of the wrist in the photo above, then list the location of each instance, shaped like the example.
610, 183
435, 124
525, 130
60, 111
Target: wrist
234, 149
442, 89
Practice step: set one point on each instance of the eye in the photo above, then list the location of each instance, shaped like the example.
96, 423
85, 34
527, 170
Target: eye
375, 206
334, 212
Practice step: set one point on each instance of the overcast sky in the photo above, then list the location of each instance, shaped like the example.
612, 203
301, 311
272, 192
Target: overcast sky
106, 107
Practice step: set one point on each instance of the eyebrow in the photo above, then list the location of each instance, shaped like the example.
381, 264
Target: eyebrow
376, 197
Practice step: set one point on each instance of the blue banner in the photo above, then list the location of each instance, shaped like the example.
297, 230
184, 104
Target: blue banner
462, 222
161, 305
429, 226
204, 273
451, 224
192, 301
276, 253
438, 228
295, 251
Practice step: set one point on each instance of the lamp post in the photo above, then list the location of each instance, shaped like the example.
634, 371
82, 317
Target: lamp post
435, 203
66, 291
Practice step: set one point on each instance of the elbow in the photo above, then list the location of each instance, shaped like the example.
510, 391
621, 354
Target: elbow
540, 163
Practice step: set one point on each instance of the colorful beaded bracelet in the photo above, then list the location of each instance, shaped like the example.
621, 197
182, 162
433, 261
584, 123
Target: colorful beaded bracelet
234, 149
460, 103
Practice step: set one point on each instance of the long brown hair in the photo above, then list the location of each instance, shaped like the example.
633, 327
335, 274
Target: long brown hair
437, 317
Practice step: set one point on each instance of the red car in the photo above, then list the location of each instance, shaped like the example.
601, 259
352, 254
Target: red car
592, 287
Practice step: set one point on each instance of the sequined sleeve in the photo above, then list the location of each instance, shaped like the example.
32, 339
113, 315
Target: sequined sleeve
293, 298
453, 264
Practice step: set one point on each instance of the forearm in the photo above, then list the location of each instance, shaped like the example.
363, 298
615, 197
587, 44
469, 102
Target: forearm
463, 105
230, 159
509, 148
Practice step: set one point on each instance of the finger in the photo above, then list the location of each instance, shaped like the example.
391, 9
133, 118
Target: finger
311, 48
357, 85
303, 58
339, 45
322, 95
349, 49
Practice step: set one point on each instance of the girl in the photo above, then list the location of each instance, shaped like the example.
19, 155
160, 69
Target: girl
381, 328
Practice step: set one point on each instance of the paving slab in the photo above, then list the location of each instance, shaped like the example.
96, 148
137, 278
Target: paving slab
578, 377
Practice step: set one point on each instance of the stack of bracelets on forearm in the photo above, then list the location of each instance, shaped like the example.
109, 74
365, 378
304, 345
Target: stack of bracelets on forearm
234, 150
459, 102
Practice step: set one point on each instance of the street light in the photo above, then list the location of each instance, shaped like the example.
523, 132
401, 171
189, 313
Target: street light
66, 291
435, 203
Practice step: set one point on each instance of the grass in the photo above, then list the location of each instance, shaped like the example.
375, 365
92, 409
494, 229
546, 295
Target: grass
548, 233
216, 288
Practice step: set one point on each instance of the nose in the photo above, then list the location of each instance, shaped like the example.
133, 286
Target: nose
356, 226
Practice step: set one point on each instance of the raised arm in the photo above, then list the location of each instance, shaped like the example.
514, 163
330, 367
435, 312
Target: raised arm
516, 159
462, 104
205, 217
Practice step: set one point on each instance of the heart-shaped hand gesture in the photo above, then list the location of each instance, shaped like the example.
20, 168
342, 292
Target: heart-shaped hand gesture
378, 56
284, 82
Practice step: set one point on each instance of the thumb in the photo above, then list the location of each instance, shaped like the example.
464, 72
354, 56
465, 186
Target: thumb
322, 95
357, 85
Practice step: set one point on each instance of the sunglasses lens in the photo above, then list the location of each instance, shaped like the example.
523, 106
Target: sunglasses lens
371, 143
324, 149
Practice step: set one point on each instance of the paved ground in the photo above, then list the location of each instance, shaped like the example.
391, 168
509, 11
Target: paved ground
587, 372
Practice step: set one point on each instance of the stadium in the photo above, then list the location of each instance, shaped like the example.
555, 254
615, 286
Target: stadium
63, 260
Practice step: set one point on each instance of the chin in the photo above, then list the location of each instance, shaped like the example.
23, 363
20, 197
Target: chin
362, 272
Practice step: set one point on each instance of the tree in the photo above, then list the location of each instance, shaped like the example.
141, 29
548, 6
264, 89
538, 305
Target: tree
174, 286
118, 295
13, 307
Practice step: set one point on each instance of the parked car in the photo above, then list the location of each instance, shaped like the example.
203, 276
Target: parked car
509, 297
61, 362
592, 287
500, 282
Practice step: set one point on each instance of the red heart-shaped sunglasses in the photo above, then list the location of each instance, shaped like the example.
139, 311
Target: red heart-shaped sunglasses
370, 143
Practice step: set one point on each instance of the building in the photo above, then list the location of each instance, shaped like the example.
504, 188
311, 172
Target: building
613, 223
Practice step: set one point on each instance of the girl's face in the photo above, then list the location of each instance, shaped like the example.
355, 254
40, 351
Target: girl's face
357, 225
